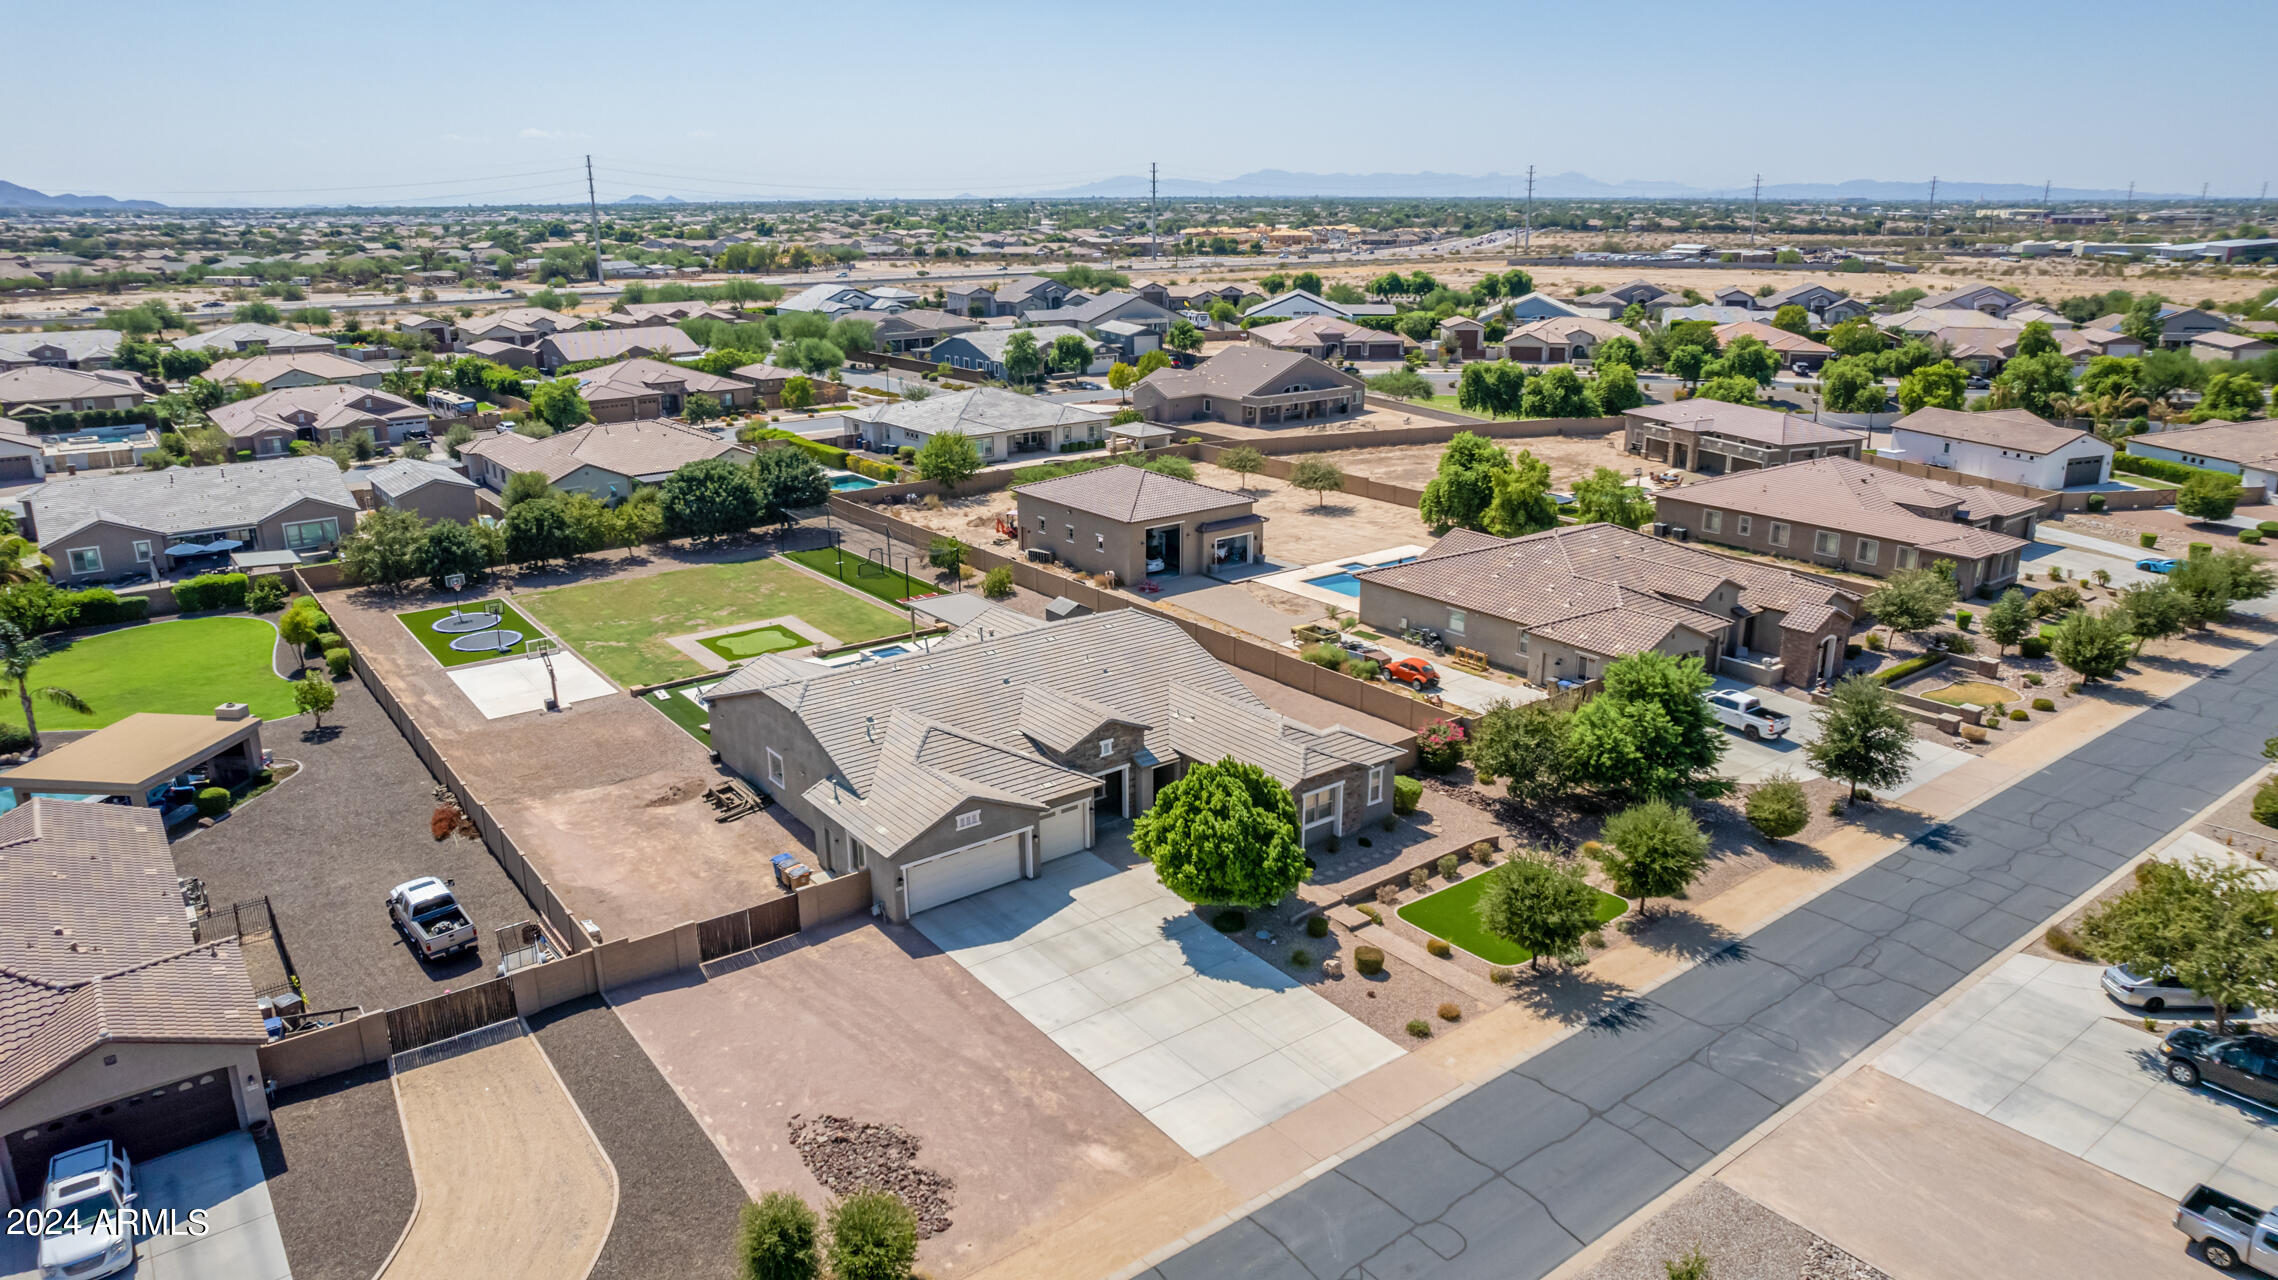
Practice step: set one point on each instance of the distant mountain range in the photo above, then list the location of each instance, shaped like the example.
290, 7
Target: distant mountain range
647, 200
1578, 186
15, 197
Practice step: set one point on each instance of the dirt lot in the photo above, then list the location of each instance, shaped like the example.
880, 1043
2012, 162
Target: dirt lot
1571, 458
874, 1023
338, 1174
511, 1183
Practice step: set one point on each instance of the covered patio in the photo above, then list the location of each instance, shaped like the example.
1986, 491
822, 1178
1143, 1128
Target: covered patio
139, 759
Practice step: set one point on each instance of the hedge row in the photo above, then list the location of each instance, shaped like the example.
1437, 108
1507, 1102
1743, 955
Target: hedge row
211, 591
1900, 670
101, 606
88, 420
2162, 469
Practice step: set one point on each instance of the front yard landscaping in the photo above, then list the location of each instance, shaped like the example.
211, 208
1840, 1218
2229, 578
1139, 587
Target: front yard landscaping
1971, 693
421, 625
184, 667
868, 576
1452, 915
624, 625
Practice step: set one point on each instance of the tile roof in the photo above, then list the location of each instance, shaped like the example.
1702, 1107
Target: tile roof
580, 345
2001, 428
520, 320
991, 342
79, 344
641, 376
97, 948
981, 411
182, 500
643, 451
2246, 443
230, 337
326, 405
1092, 311
38, 383
1746, 422
1855, 497
1245, 370
265, 369
1128, 494
406, 474
1564, 328
1776, 338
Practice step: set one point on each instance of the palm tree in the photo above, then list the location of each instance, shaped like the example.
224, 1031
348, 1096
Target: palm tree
21, 560
19, 653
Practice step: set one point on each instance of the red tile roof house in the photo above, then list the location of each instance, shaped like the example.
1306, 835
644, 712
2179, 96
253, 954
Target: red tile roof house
1712, 437
115, 1021
1561, 604
1852, 517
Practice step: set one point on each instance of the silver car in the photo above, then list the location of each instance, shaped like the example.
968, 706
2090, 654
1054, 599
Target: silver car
2150, 994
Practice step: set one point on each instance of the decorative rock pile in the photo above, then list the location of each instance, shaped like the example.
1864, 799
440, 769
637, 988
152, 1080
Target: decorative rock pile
846, 1155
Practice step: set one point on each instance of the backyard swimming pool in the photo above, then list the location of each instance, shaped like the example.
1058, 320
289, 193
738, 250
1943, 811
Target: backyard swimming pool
1344, 583
843, 483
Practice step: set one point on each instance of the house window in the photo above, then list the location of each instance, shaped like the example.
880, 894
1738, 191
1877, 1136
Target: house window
1778, 533
304, 534
1455, 620
1100, 541
1745, 525
1712, 522
1071, 533
1524, 648
774, 767
1826, 543
1903, 558
1043, 524
1320, 806
968, 821
86, 559
1868, 550
857, 856
141, 552
1106, 748
1376, 785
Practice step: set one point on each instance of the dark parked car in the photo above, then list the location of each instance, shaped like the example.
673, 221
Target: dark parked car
2242, 1066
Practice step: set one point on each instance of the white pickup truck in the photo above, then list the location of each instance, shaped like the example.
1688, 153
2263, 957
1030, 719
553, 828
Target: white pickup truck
2230, 1232
429, 916
85, 1228
1743, 711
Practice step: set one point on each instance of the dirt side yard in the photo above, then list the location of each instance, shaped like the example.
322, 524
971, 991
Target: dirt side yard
1571, 458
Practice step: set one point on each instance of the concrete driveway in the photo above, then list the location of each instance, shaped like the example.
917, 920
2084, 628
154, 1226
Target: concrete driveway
1750, 761
239, 1240
1206, 1040
2080, 555
2038, 1047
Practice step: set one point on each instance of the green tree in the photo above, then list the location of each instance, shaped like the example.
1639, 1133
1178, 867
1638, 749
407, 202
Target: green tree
707, 499
1317, 476
776, 1239
2155, 611
700, 408
1070, 354
1729, 388
1309, 281
2214, 582
1747, 357
1121, 377
2234, 395
1149, 361
1615, 388
1687, 362
946, 554
1852, 386
1182, 337
1778, 807
314, 695
1794, 319
2036, 339
873, 1236
1022, 359
1864, 738
452, 548
1619, 349
997, 583
301, 624
1533, 902
2143, 323
523, 486
949, 459
1656, 850
1605, 496
1933, 386
1522, 502
1461, 490
1223, 833
559, 404
2010, 619
2031, 383
2210, 925
387, 549
797, 393
1524, 747
637, 521
2208, 495
1649, 733
537, 531
789, 479
2091, 645
1557, 392
259, 313
19, 655
1857, 337
1243, 461
1911, 600
458, 437
1402, 384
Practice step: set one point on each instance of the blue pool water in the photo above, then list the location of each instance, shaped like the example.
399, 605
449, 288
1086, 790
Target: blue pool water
841, 484
8, 798
1344, 583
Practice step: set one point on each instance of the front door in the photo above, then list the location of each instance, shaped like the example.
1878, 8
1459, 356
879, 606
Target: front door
1108, 799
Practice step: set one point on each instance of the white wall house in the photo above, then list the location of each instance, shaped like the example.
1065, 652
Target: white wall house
2248, 450
2009, 444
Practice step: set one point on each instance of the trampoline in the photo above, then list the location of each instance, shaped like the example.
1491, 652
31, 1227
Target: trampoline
458, 621
498, 641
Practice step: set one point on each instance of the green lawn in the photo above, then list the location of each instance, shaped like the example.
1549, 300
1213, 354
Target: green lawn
185, 667
622, 625
682, 711
1448, 403
739, 645
1452, 915
890, 585
438, 643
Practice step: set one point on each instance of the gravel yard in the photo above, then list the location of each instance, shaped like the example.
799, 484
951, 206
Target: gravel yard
1570, 457
1742, 1240
338, 1175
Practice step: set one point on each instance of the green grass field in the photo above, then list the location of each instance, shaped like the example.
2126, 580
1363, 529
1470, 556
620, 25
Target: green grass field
890, 585
1452, 915
622, 625
682, 711
186, 667
1448, 403
438, 643
736, 646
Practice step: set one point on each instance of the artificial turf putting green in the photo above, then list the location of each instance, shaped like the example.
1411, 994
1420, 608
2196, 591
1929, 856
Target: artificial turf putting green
623, 625
185, 667
739, 645
890, 585
1452, 915
438, 643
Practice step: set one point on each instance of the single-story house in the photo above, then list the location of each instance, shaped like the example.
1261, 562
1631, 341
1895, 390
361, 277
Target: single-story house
1299, 302
238, 339
442, 334
1826, 307
116, 1021
2003, 444
1092, 313
580, 345
1002, 424
638, 388
518, 326
76, 349
1138, 524
632, 315
152, 522
914, 332
267, 424
1250, 386
1794, 350
606, 460
1332, 338
982, 351
1712, 437
37, 389
1536, 306
2228, 346
767, 384
2179, 327
1859, 518
309, 369
1562, 604
1989, 299
2248, 450
429, 490
828, 299
1561, 339
942, 774
504, 353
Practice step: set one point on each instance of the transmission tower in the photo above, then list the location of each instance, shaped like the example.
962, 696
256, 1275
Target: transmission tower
1930, 211
593, 207
1154, 247
1755, 199
1526, 240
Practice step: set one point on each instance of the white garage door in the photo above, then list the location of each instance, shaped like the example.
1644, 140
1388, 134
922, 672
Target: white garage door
1061, 832
967, 872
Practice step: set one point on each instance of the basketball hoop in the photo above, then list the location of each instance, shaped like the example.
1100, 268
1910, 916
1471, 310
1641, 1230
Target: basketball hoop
543, 649
454, 581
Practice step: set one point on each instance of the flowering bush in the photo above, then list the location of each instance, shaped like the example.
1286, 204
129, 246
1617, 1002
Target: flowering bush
1439, 745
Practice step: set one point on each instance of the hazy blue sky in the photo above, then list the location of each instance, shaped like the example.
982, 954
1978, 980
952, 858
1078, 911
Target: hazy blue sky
245, 103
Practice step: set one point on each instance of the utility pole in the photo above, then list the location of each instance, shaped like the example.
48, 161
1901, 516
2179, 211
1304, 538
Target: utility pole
1526, 242
2128, 210
1930, 211
2044, 198
1754, 200
593, 206
1154, 246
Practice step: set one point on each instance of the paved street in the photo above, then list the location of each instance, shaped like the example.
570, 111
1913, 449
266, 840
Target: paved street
1516, 1176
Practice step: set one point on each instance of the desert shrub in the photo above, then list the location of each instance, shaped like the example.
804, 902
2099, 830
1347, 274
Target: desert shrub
2147, 540
1837, 804
1375, 916
1300, 958
1316, 926
2058, 599
1418, 877
2034, 679
2200, 549
1483, 853
214, 801
2250, 537
1387, 894
1963, 618
776, 1239
2063, 941
2265, 808
1875, 641
1499, 975
1229, 921
339, 663
873, 1236
1956, 642
2033, 647
2020, 714
1592, 850
1439, 949
1324, 655
997, 584
1407, 793
1419, 1028
1451, 1012
1448, 863
2044, 704
1368, 961
1779, 808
